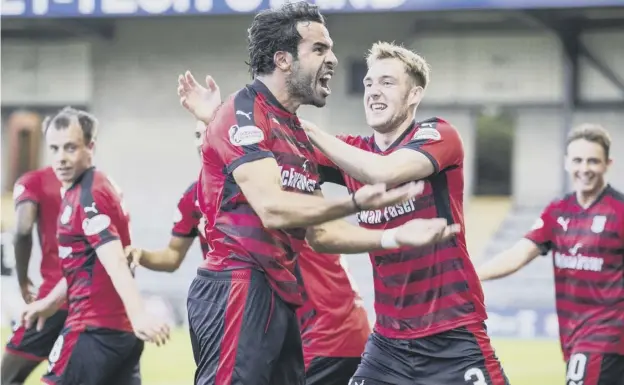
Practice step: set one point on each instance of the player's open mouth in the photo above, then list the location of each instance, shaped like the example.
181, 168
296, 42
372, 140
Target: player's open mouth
323, 81
378, 106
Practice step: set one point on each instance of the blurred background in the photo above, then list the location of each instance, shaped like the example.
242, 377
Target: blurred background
512, 75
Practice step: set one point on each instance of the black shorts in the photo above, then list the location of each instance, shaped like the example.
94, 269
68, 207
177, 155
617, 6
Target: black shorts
461, 356
34, 345
595, 369
242, 332
331, 370
94, 356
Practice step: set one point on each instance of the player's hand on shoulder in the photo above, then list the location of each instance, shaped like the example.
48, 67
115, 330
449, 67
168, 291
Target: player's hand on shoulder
200, 101
423, 232
148, 328
36, 313
377, 196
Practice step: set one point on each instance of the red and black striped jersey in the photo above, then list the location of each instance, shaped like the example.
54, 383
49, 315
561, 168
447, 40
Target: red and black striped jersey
91, 215
332, 319
249, 126
43, 189
188, 221
428, 290
587, 247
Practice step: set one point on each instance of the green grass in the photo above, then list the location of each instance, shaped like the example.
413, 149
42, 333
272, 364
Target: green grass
532, 362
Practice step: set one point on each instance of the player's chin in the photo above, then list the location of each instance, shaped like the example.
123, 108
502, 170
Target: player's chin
319, 101
586, 187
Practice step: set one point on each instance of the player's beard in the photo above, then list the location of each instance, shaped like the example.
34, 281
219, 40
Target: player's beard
301, 86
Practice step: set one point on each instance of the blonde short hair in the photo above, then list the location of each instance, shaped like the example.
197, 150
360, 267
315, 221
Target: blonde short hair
415, 65
592, 133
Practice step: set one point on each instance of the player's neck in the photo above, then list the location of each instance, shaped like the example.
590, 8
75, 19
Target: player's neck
383, 140
278, 88
586, 199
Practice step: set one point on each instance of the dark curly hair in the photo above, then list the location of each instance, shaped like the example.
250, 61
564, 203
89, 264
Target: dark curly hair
63, 119
275, 30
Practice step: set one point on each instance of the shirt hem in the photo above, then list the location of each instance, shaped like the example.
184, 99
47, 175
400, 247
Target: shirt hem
394, 334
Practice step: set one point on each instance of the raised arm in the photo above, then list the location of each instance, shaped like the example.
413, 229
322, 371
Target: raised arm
435, 146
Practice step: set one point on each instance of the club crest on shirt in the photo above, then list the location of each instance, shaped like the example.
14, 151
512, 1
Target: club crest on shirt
245, 135
598, 224
66, 215
96, 224
18, 190
424, 133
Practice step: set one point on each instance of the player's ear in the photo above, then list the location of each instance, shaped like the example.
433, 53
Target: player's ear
91, 145
283, 60
415, 95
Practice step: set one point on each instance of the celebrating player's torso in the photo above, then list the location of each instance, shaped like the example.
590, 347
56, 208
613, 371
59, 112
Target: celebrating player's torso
424, 291
91, 215
44, 189
332, 320
587, 247
259, 128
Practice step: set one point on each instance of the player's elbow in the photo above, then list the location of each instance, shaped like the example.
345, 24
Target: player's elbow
272, 212
175, 259
272, 217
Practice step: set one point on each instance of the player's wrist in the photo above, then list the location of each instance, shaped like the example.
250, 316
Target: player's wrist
354, 202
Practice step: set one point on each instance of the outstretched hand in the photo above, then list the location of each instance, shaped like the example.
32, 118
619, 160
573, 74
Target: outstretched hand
200, 101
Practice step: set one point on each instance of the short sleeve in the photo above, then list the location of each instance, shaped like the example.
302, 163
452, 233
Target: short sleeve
184, 222
438, 141
98, 210
27, 189
238, 136
542, 231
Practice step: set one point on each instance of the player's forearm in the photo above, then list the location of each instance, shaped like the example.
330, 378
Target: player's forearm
502, 265
340, 237
167, 259
58, 295
112, 257
22, 246
289, 210
510, 260
361, 165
